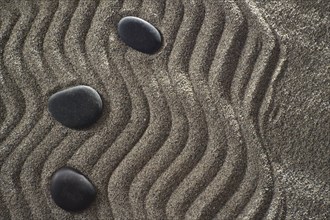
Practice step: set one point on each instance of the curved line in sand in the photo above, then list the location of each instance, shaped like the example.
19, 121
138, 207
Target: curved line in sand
232, 75
21, 146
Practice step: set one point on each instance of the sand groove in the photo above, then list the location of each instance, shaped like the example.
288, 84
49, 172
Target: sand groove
181, 136
8, 21
30, 135
8, 86
178, 134
153, 138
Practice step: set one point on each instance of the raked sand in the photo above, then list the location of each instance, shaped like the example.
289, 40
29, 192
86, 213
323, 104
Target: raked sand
229, 120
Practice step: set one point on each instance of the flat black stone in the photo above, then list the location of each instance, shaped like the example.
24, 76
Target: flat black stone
139, 34
71, 190
76, 107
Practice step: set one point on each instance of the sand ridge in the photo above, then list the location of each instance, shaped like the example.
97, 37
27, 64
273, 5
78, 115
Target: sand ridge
181, 135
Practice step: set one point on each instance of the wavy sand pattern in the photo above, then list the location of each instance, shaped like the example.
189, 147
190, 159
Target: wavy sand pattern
181, 135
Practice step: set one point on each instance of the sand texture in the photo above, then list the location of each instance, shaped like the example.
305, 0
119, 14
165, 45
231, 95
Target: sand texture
229, 120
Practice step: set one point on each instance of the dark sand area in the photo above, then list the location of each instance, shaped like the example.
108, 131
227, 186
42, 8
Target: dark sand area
230, 119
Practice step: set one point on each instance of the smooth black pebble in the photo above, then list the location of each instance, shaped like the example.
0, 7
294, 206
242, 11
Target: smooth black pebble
71, 190
139, 34
76, 107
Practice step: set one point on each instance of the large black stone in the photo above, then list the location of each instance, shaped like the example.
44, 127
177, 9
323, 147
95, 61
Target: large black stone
139, 34
76, 107
71, 190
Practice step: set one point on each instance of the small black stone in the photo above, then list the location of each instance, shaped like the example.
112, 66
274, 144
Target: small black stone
71, 190
76, 107
139, 34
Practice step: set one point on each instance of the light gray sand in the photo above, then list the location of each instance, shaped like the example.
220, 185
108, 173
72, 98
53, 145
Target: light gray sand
229, 120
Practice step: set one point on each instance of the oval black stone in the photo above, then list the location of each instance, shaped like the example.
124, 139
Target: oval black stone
139, 34
71, 190
76, 107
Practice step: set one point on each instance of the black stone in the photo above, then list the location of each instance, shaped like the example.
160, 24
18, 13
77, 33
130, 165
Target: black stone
139, 34
71, 190
76, 107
